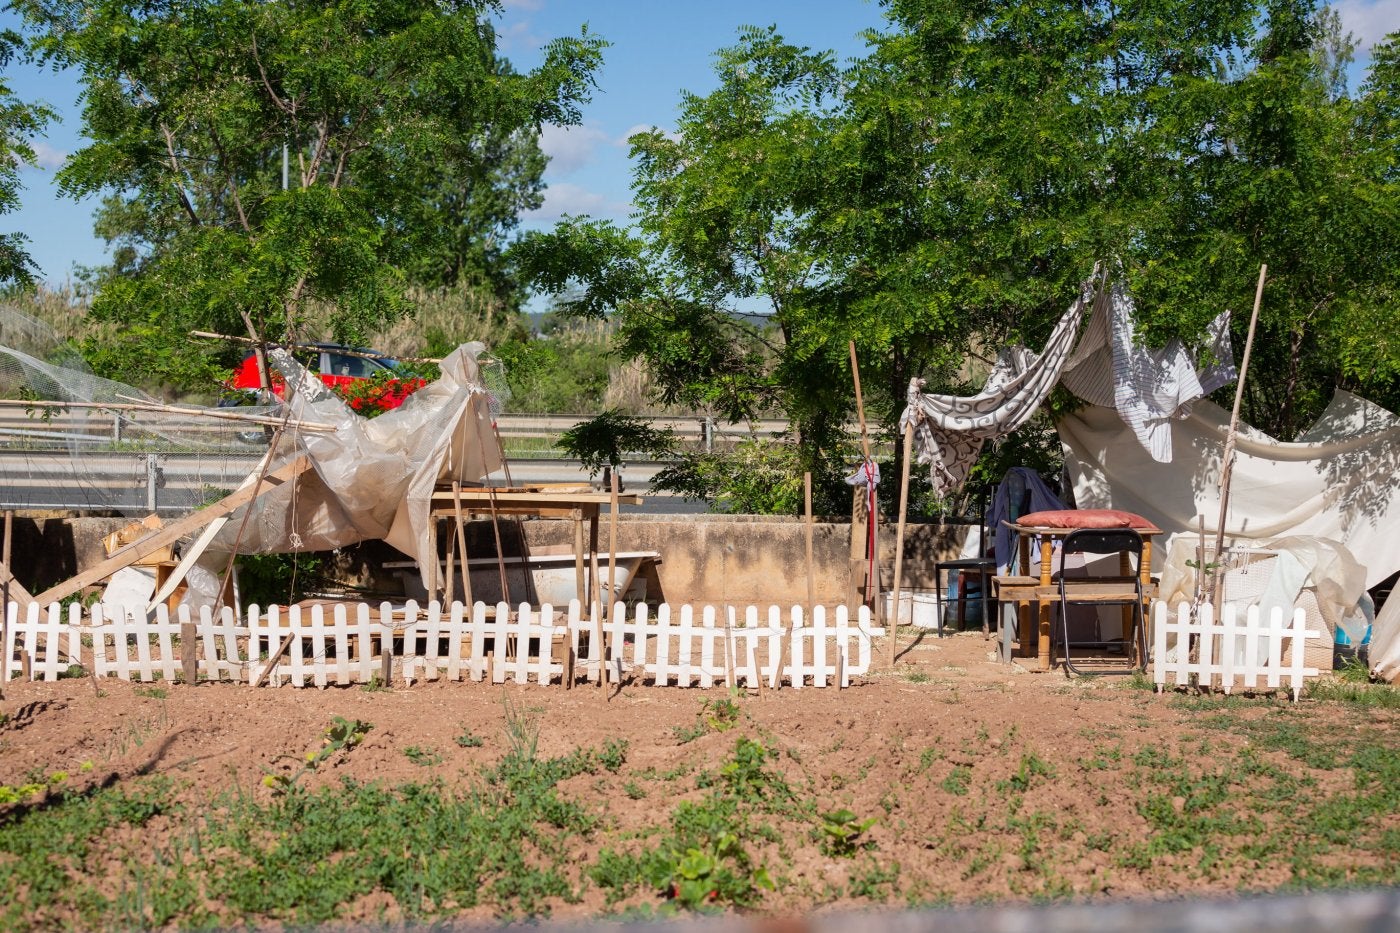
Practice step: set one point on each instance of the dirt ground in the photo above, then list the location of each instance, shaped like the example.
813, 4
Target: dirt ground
985, 782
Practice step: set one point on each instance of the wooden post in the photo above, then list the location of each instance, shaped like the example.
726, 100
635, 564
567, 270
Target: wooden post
809, 522
26, 666
462, 544
386, 647
189, 660
899, 542
450, 589
1227, 462
596, 590
872, 559
612, 567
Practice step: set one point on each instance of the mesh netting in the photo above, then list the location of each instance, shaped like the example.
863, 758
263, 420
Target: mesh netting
130, 458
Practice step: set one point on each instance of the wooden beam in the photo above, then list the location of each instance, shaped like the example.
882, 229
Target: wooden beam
174, 532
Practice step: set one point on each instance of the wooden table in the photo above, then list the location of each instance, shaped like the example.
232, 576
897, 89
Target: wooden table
574, 501
1023, 591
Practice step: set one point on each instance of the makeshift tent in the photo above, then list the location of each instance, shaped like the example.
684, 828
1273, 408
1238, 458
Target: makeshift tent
1342, 484
372, 478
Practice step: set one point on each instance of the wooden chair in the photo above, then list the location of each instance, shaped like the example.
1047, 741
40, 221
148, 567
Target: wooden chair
1121, 589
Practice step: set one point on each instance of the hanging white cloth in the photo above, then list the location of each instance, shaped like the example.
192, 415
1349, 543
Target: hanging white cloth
949, 430
1342, 485
1148, 388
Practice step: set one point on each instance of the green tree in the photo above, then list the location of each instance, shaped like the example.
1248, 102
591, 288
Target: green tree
20, 122
946, 194
399, 125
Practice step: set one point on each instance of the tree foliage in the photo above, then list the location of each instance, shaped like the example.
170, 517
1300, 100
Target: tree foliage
409, 146
20, 122
947, 192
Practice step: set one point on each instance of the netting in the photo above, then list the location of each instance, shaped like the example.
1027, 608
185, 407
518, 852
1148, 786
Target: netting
135, 457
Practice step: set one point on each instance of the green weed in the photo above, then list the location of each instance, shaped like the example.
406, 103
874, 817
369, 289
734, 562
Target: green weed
423, 757
843, 833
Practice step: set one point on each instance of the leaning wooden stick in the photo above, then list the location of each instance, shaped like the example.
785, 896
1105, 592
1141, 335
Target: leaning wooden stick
899, 541
872, 585
1227, 462
612, 570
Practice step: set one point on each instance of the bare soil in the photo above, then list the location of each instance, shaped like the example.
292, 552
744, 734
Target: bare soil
986, 782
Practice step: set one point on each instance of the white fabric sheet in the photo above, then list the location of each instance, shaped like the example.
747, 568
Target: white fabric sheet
1149, 388
1345, 486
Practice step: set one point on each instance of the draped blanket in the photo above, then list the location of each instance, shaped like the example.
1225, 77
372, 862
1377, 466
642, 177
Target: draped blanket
1149, 388
949, 430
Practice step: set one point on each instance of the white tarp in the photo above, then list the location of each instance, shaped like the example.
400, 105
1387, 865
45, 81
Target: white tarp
1343, 484
372, 478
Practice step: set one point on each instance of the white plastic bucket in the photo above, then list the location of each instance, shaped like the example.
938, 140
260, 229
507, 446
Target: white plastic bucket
924, 612
906, 607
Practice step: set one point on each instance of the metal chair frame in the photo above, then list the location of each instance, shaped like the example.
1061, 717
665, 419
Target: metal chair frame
983, 566
1102, 541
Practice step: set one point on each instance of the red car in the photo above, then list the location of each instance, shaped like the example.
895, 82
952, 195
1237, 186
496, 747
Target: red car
365, 382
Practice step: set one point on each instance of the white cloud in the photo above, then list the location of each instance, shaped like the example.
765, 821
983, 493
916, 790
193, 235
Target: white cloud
1369, 22
563, 198
518, 37
570, 148
48, 158
647, 128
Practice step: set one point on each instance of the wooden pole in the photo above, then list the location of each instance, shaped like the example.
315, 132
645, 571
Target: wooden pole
810, 528
899, 541
1227, 462
596, 592
871, 558
461, 535
343, 351
189, 660
224, 414
612, 567
860, 403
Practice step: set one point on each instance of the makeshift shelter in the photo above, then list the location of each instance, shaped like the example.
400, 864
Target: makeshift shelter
1343, 484
1326, 507
370, 478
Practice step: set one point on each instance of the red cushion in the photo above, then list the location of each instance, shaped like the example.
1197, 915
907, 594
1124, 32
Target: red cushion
1085, 518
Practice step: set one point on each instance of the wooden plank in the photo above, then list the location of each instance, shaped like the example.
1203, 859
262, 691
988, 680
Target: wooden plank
174, 531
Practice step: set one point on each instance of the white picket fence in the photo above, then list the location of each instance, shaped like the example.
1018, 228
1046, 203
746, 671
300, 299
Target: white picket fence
1230, 654
350, 644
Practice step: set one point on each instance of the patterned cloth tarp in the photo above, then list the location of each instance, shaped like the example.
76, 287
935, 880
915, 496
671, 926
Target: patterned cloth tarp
949, 430
1149, 388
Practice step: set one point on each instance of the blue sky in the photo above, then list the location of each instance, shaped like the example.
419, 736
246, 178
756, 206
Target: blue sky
659, 49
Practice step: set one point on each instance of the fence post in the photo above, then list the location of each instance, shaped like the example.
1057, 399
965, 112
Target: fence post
188, 659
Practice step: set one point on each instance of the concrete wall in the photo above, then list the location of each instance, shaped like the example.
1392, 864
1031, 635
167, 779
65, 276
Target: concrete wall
705, 558
758, 559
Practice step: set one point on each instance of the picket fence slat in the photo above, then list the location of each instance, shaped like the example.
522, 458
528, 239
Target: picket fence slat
1228, 654
314, 646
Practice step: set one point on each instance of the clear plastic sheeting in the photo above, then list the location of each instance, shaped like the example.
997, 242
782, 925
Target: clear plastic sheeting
136, 457
372, 479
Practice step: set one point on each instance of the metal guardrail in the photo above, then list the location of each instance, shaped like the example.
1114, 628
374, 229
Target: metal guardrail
63, 460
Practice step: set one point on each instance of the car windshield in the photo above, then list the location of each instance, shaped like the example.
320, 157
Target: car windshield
357, 367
